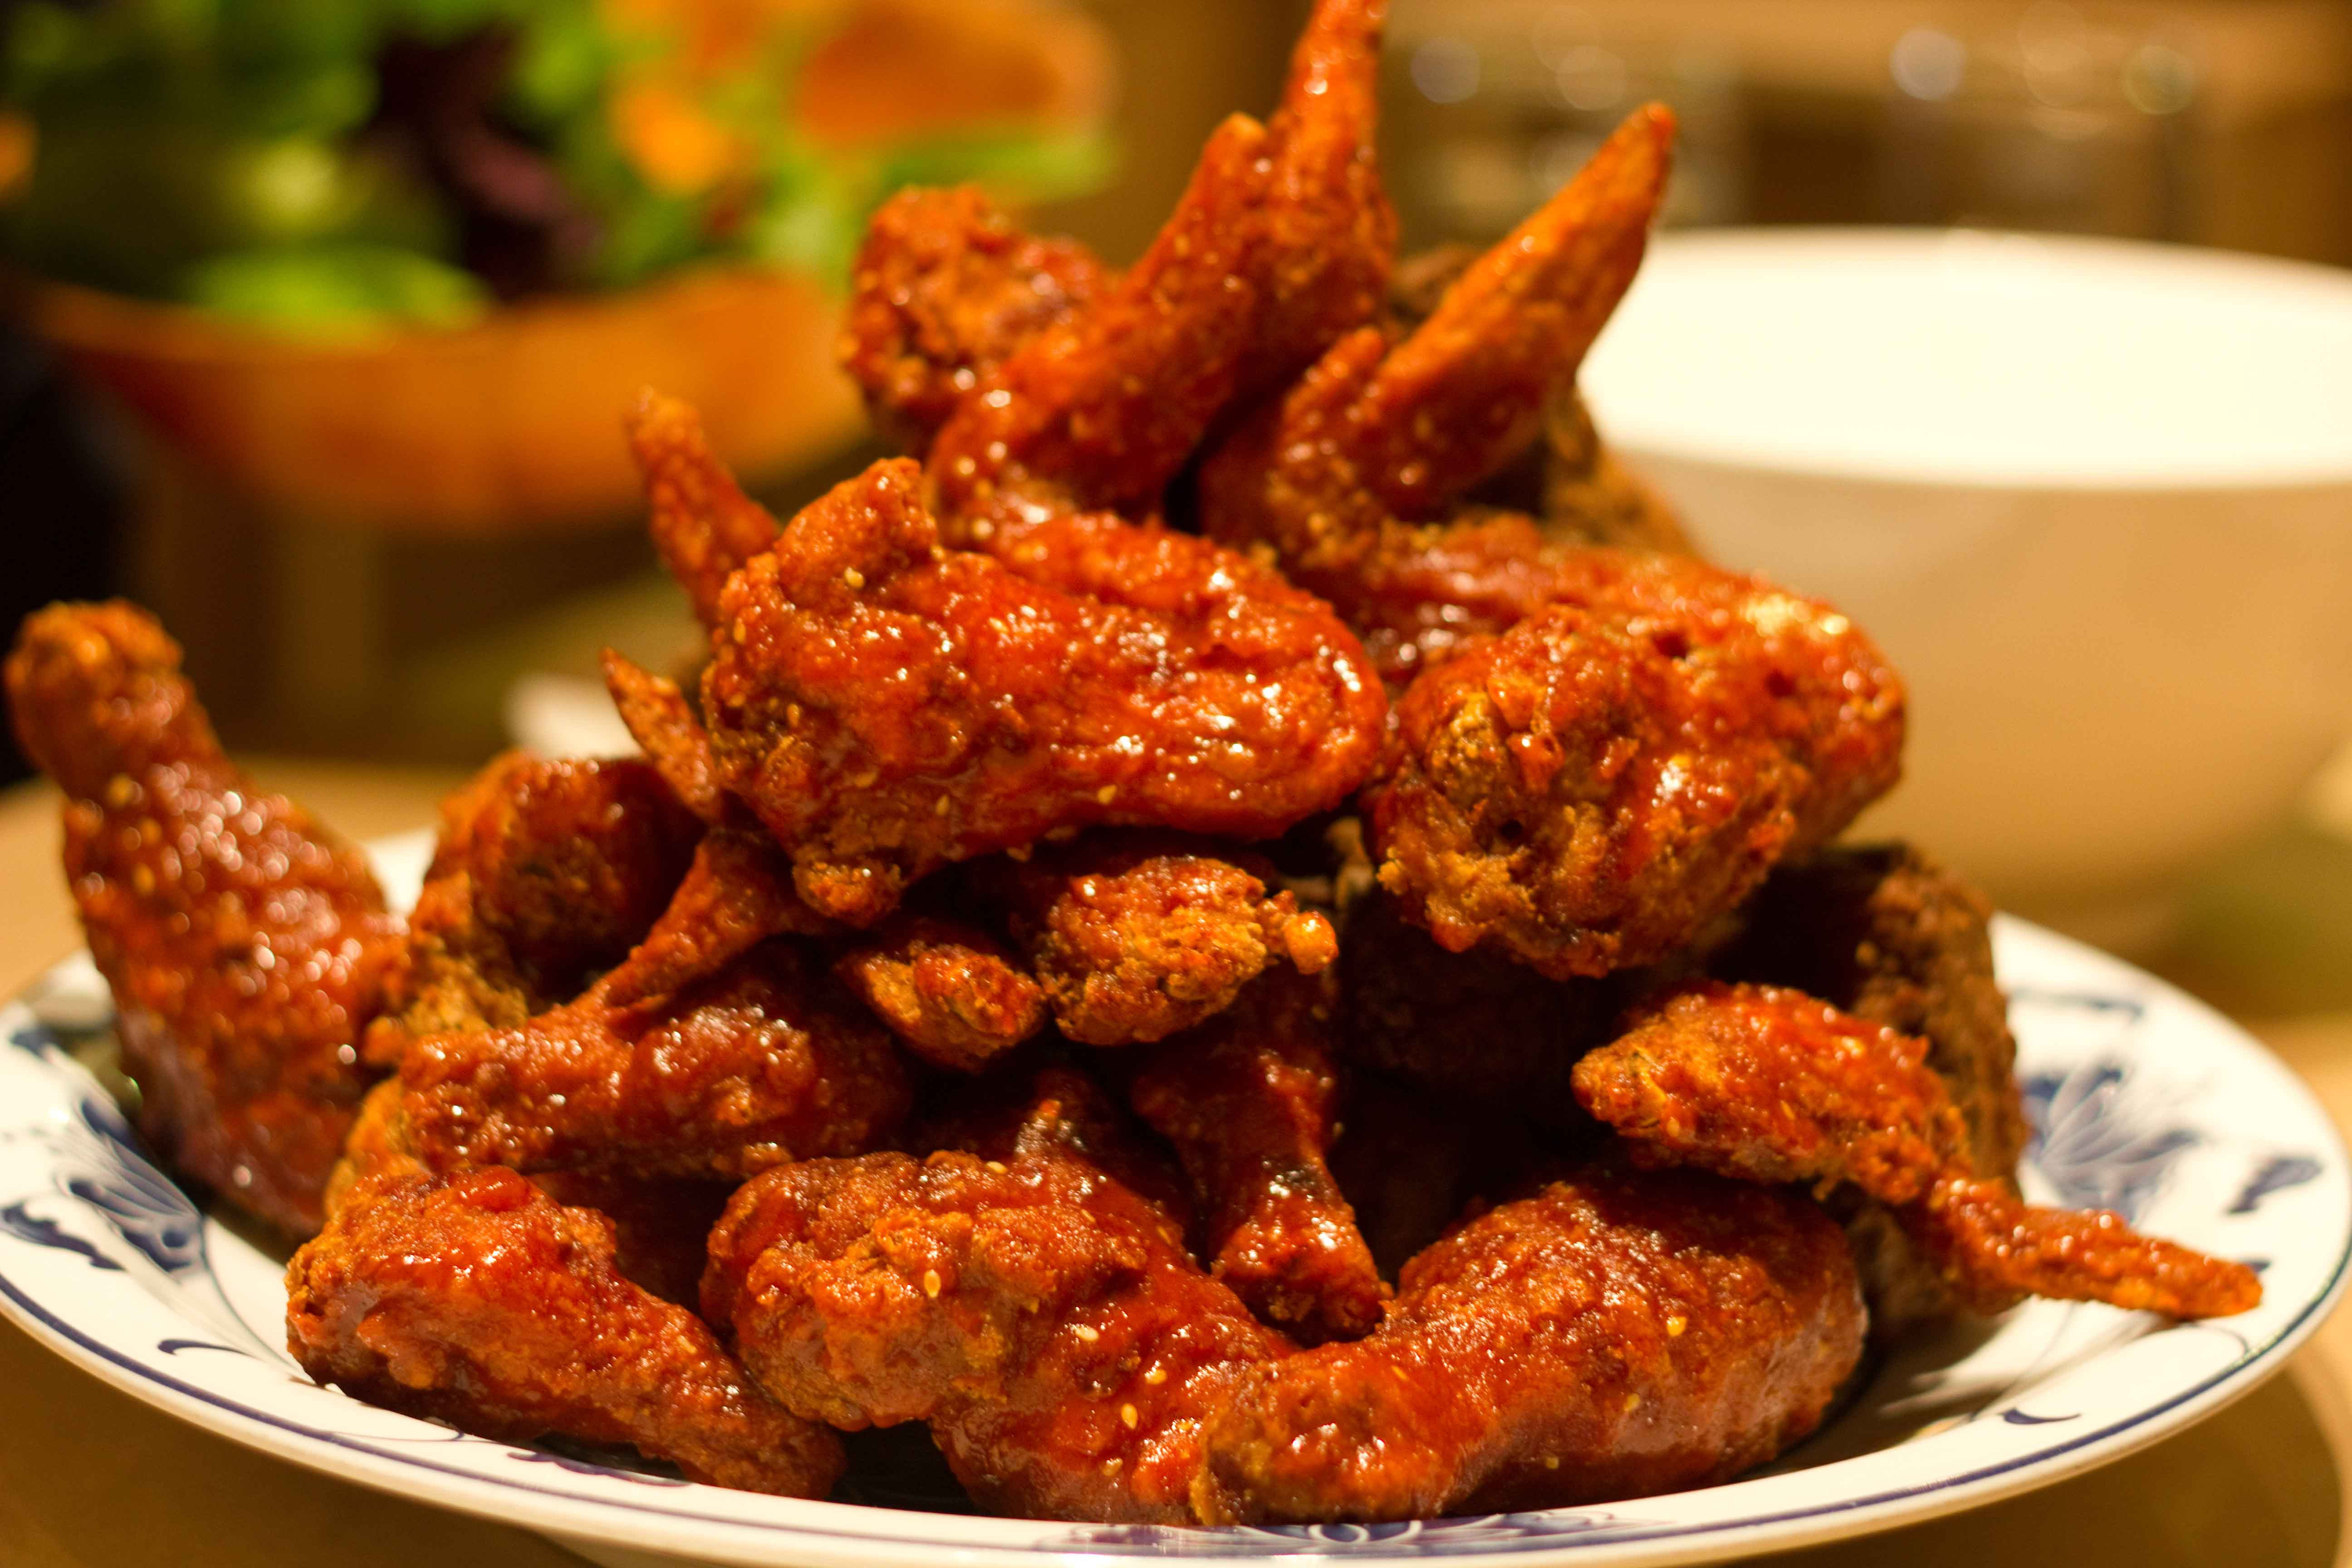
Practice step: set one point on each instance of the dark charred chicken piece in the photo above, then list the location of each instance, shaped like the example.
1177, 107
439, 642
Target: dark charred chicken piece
484, 1302
245, 946
1773, 1086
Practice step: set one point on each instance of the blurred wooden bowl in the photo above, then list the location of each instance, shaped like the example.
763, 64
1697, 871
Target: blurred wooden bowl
512, 425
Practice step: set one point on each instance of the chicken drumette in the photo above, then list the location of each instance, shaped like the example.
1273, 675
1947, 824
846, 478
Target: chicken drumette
246, 947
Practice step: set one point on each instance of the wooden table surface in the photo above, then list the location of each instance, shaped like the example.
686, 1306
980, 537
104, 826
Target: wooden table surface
92, 1479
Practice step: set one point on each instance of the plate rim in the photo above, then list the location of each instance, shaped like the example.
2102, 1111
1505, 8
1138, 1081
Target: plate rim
654, 1528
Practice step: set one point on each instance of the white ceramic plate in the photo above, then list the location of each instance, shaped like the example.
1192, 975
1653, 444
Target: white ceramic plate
2145, 1101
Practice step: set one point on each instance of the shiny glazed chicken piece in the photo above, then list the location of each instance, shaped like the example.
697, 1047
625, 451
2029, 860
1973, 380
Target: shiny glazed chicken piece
1044, 1319
1135, 936
1770, 1085
483, 1302
768, 1061
1595, 787
1249, 1101
246, 947
885, 706
545, 874
951, 992
1616, 1334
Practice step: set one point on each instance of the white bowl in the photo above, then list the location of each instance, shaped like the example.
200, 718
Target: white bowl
2095, 498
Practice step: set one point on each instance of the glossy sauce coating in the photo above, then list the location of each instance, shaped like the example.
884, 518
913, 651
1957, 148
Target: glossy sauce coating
1617, 1335
736, 893
886, 706
1135, 935
948, 990
770, 1061
1594, 787
1046, 1321
246, 947
484, 1303
1248, 1101
1774, 1086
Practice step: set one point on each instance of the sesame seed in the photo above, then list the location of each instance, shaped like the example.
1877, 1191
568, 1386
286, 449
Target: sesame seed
1128, 1416
1108, 794
1551, 1461
939, 807
1633, 1401
1088, 1332
996, 1166
931, 1282
1111, 1466
1156, 1377
854, 577
1676, 1325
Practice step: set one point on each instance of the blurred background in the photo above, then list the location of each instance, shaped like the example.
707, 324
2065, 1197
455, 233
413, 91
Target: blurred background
318, 313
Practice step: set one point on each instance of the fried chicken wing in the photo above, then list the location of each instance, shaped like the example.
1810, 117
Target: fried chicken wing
1046, 1323
736, 893
885, 706
659, 719
943, 291
1136, 936
1101, 408
770, 1060
1770, 1085
1594, 789
1617, 1335
483, 1302
951, 992
546, 873
1248, 1099
246, 947
1350, 475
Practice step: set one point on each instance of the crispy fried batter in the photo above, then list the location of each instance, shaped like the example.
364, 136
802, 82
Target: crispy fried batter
1046, 1321
948, 990
1594, 789
1771, 1085
1617, 1334
1100, 409
1248, 1101
1891, 936
885, 706
1137, 935
770, 1060
944, 289
485, 1303
246, 947
701, 521
545, 874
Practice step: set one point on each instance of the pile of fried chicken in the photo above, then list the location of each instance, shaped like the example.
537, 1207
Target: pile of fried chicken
1244, 933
